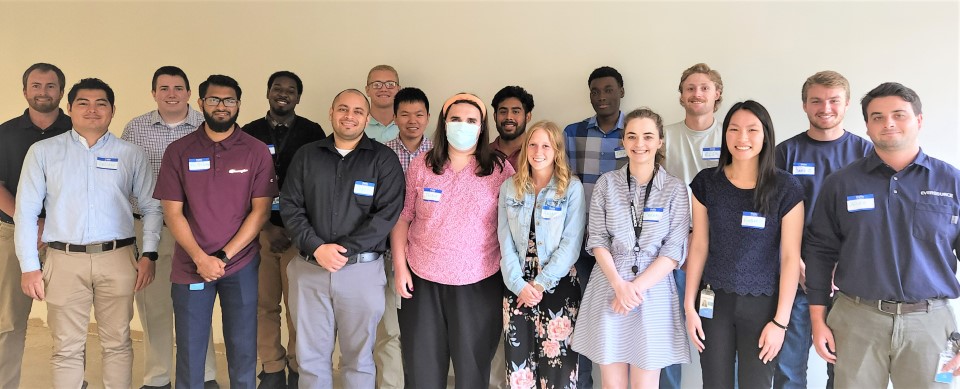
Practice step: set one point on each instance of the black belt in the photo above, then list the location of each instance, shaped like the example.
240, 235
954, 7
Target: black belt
92, 248
353, 259
900, 307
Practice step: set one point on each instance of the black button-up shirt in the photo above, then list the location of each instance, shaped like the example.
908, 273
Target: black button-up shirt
328, 198
284, 146
16, 137
893, 235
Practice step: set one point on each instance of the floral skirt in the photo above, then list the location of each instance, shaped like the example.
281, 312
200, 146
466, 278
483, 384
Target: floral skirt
537, 340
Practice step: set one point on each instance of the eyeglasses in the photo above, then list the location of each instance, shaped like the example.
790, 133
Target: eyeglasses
215, 101
381, 84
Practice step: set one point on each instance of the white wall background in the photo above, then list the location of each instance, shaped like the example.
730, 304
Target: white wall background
764, 51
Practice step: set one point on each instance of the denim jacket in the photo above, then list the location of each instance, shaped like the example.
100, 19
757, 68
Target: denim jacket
559, 238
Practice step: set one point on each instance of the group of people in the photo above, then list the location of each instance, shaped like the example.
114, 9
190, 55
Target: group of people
521, 262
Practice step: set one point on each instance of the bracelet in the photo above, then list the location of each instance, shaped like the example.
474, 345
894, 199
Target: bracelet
774, 321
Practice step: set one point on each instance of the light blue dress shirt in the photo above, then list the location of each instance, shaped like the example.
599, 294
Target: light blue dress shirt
86, 192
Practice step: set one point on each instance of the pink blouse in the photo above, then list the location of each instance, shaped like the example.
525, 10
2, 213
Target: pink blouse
452, 238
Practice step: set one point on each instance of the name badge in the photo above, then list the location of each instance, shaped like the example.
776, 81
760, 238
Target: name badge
652, 214
753, 220
707, 298
857, 203
804, 169
549, 212
197, 286
432, 195
198, 164
275, 206
363, 188
108, 163
710, 153
273, 150
619, 152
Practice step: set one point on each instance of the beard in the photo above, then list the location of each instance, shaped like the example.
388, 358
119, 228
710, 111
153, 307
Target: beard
281, 111
220, 126
520, 129
45, 107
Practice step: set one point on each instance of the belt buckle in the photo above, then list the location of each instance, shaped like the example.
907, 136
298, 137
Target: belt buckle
353, 259
880, 307
94, 248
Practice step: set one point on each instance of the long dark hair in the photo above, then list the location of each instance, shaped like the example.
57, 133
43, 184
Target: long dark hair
766, 189
486, 157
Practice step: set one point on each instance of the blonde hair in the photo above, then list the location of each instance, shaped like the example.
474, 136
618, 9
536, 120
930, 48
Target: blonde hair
383, 67
523, 180
712, 74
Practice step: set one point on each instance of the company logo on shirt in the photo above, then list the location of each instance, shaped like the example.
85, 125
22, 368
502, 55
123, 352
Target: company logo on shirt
935, 193
233, 171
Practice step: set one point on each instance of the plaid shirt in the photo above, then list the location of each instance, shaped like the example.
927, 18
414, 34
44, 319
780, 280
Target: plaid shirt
153, 136
591, 152
406, 156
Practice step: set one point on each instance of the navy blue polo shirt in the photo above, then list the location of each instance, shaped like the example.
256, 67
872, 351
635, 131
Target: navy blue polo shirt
892, 235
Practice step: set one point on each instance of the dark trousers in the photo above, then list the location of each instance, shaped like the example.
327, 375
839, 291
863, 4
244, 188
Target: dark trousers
584, 266
193, 313
444, 322
731, 342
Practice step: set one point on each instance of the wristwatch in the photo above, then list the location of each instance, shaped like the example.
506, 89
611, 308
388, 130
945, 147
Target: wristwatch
151, 255
222, 256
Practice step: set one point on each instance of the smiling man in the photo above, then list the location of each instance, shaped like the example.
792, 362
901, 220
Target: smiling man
342, 197
513, 107
153, 132
83, 178
43, 85
284, 132
811, 156
216, 185
382, 85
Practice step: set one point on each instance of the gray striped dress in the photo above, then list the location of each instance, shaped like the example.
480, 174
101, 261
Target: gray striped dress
651, 336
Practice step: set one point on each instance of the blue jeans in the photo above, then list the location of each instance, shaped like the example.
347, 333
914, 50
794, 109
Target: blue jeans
193, 313
670, 375
792, 365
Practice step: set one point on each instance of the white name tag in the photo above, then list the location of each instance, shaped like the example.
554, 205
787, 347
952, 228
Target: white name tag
363, 188
619, 152
273, 150
753, 220
804, 169
275, 206
432, 195
549, 212
652, 214
108, 163
198, 164
710, 153
857, 203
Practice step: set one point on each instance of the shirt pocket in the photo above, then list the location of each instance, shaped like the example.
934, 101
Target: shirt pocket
934, 221
514, 208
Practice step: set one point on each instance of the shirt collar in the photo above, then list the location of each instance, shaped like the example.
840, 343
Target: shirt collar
194, 118
76, 137
274, 122
373, 121
330, 144
231, 140
592, 123
873, 161
63, 121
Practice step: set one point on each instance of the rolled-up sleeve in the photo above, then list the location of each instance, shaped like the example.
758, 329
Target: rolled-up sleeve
675, 243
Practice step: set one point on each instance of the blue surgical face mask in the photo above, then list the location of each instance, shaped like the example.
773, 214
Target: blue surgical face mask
462, 135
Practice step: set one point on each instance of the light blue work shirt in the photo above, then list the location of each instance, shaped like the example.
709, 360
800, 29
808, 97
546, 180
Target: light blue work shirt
559, 232
85, 191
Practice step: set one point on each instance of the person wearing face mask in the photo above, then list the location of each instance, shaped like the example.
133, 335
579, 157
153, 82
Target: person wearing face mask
446, 254
639, 222
541, 223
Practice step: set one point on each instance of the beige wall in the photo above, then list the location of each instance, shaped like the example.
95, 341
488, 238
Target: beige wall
764, 51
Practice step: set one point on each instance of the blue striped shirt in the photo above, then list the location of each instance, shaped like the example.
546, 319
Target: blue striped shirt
592, 152
86, 192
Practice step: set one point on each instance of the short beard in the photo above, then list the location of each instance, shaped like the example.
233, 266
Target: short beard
516, 134
219, 127
44, 108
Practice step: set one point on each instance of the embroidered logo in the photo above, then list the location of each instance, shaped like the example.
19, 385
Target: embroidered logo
232, 171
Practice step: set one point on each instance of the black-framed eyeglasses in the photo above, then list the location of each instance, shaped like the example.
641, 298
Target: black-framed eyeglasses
381, 84
215, 101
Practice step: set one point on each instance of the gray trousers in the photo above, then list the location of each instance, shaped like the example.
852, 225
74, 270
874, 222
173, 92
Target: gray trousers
347, 304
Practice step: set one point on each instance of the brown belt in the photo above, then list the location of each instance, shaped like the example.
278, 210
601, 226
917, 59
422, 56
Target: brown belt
900, 307
92, 248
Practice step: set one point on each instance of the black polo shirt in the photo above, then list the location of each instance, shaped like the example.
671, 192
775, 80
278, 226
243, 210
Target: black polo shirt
351, 200
16, 137
283, 145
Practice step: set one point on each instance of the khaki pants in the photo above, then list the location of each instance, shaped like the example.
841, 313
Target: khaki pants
386, 352
875, 348
14, 311
273, 287
155, 308
75, 281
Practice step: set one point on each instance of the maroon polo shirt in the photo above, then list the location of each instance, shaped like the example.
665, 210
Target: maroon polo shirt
513, 158
215, 182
